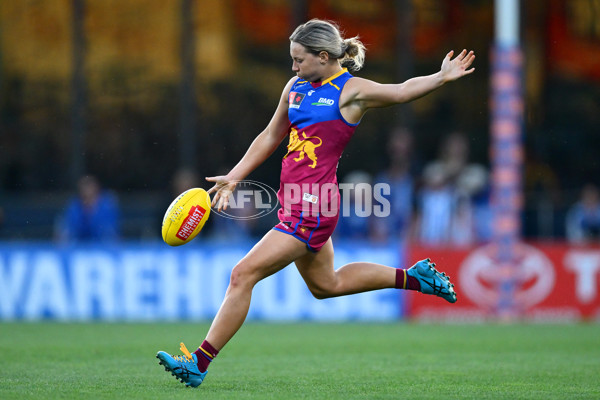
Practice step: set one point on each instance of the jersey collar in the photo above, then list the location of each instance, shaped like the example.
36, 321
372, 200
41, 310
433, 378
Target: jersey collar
332, 77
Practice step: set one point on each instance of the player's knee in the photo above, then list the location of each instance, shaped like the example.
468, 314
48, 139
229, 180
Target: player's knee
241, 275
321, 293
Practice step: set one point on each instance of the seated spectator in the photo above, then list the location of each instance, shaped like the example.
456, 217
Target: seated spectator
91, 216
583, 218
436, 200
352, 224
473, 189
183, 179
453, 203
400, 178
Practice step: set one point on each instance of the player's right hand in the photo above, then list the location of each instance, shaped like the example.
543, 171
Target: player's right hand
224, 187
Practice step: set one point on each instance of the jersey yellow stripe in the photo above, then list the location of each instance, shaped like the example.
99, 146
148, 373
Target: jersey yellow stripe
328, 80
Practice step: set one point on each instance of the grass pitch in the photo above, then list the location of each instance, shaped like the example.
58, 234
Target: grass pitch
305, 361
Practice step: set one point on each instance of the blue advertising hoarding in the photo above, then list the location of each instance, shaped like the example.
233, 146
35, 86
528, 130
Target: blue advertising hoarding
149, 282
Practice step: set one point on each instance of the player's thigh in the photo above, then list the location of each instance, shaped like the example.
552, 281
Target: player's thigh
317, 268
273, 252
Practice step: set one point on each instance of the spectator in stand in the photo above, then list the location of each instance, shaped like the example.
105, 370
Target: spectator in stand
353, 225
583, 218
400, 178
183, 179
435, 202
91, 216
453, 202
473, 187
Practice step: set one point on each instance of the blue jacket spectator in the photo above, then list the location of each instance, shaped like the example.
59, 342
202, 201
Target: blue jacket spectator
91, 216
354, 222
400, 177
583, 218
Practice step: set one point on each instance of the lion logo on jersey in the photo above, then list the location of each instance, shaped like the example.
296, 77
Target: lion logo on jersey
304, 146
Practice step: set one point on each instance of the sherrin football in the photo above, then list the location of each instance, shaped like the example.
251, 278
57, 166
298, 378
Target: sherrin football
186, 216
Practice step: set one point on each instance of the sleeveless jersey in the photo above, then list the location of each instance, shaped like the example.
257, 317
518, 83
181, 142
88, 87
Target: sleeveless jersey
318, 134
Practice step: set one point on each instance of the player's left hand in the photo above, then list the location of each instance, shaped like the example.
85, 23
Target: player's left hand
453, 69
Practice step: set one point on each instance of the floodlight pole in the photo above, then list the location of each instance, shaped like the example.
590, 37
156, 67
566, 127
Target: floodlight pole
78, 93
187, 88
507, 152
405, 59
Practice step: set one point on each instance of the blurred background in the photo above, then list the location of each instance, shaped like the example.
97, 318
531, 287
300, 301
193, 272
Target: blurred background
144, 99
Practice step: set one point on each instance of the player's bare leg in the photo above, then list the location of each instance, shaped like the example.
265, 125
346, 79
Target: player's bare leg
323, 281
275, 251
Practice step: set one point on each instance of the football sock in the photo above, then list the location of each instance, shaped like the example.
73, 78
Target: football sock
405, 281
205, 354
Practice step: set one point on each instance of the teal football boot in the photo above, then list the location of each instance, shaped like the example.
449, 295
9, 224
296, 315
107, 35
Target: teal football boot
432, 281
184, 368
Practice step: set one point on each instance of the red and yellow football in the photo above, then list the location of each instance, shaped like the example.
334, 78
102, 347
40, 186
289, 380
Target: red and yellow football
185, 217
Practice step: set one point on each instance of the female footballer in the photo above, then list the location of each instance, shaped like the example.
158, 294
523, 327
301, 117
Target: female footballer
318, 111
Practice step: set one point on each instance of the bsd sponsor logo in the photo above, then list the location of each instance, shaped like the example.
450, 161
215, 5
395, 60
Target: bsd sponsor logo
324, 102
250, 200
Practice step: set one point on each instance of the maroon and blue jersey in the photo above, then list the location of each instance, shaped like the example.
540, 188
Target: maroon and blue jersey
318, 134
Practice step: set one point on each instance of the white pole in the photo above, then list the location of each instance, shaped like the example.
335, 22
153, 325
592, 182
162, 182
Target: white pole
507, 148
507, 22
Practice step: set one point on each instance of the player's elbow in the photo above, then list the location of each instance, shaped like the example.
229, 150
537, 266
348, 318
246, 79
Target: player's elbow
272, 137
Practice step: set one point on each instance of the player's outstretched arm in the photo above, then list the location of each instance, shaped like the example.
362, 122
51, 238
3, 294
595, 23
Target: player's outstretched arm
261, 148
365, 94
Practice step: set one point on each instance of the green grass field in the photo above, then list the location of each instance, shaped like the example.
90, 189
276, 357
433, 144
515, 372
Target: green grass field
305, 361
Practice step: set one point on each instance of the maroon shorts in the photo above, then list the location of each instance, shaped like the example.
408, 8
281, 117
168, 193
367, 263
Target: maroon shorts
312, 230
